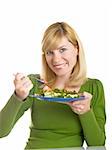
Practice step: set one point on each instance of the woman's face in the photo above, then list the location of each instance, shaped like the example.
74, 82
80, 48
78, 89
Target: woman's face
62, 59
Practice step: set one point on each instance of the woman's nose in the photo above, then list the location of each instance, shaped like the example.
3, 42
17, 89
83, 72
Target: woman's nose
56, 57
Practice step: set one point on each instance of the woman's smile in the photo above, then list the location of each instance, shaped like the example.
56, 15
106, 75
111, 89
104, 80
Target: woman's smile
59, 66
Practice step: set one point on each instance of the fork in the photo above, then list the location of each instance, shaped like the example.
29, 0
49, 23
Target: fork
43, 83
40, 80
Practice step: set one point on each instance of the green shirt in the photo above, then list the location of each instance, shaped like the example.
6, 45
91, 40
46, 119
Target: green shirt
55, 125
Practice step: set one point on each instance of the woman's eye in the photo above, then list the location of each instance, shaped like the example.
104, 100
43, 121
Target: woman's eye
49, 53
62, 50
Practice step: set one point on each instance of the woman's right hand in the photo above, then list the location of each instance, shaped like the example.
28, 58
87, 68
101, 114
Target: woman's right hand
23, 85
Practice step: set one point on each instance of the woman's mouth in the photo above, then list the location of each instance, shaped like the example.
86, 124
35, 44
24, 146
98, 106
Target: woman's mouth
59, 66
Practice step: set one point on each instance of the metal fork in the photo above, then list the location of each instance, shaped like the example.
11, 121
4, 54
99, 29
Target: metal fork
43, 83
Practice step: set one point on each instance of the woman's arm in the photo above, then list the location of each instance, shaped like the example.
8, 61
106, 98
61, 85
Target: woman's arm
93, 121
17, 104
12, 111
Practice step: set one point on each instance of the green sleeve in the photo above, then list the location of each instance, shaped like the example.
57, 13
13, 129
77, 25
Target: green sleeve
13, 110
93, 122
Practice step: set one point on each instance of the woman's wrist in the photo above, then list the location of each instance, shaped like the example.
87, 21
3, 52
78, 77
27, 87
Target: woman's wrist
18, 97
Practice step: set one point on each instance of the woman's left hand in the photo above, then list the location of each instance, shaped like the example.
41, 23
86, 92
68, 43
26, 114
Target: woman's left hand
81, 106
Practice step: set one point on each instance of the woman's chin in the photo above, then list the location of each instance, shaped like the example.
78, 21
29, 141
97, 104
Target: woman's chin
62, 73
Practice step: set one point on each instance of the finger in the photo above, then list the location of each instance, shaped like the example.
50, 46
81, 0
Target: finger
76, 102
81, 94
27, 84
25, 79
19, 76
78, 110
46, 88
81, 107
24, 88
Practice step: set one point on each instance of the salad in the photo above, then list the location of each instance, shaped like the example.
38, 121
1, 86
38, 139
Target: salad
59, 93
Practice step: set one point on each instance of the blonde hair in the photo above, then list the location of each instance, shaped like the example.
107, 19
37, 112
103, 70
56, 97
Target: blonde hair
51, 39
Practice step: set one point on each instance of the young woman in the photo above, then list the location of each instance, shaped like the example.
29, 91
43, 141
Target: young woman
57, 125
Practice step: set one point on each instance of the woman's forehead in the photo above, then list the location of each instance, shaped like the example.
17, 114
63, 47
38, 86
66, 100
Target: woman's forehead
60, 43
57, 43
63, 43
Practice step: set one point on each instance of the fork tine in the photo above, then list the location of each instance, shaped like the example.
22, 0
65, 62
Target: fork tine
43, 83
39, 80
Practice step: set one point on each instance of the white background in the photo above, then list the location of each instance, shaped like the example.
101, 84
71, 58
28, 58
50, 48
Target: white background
22, 24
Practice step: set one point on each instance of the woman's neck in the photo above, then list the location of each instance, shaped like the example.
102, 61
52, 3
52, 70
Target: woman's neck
61, 83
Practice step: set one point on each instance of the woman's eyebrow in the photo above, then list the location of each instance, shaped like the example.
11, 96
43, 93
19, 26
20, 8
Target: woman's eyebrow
61, 46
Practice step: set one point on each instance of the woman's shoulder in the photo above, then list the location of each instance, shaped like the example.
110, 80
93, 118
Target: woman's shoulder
92, 85
94, 82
